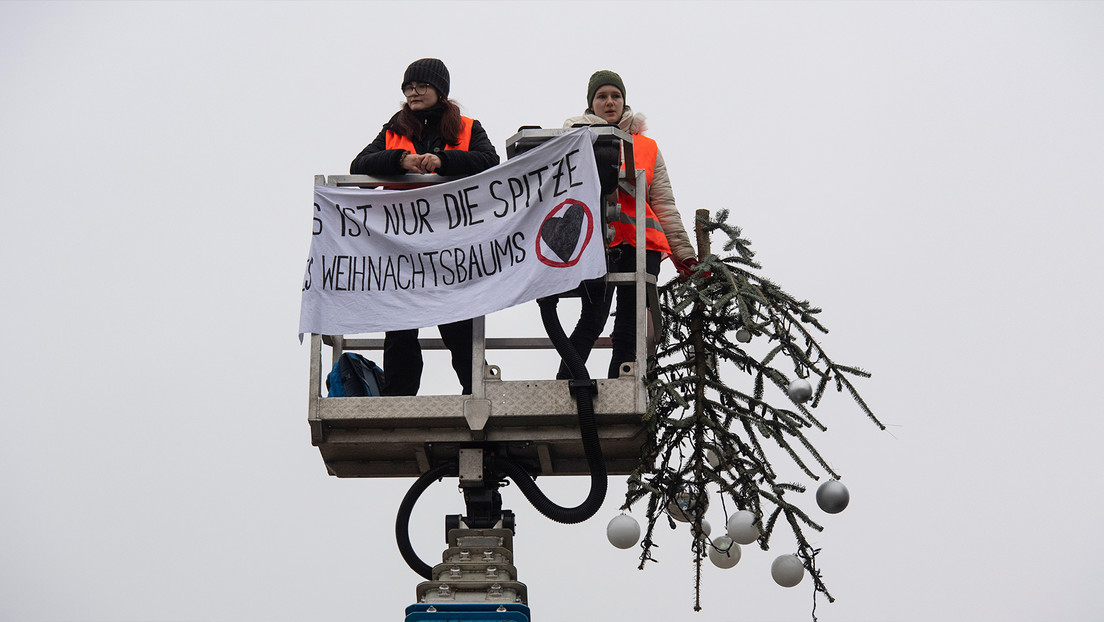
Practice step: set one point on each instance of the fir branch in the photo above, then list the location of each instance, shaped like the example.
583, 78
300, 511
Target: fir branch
693, 404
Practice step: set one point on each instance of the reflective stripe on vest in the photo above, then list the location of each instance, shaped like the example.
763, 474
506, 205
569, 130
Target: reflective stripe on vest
624, 230
397, 141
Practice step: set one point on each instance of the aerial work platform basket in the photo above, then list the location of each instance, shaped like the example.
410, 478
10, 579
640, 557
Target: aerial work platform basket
534, 422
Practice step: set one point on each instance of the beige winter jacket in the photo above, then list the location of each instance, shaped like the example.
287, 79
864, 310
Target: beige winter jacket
659, 195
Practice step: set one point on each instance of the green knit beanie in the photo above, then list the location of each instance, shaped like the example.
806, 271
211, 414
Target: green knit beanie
600, 79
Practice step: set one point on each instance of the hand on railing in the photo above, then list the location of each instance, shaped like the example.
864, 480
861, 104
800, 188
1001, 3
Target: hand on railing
420, 162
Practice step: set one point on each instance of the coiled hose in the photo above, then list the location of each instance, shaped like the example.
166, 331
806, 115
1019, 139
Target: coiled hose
587, 426
592, 448
402, 520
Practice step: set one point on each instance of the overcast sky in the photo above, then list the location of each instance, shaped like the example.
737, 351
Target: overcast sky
928, 173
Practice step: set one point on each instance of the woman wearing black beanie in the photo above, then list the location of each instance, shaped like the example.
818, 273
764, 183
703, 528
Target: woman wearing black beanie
428, 135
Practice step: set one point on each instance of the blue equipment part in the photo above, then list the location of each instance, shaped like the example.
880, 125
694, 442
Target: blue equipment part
467, 612
354, 376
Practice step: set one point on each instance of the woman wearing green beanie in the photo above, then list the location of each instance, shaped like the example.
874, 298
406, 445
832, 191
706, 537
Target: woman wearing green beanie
665, 235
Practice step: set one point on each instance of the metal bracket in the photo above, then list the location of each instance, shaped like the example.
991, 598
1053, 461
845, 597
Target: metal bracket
589, 385
471, 467
476, 413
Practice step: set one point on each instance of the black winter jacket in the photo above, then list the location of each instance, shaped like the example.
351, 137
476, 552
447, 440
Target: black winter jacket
377, 159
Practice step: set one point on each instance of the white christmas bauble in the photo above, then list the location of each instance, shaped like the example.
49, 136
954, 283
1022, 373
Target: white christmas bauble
679, 508
742, 527
623, 531
832, 496
800, 390
706, 528
724, 553
743, 335
787, 570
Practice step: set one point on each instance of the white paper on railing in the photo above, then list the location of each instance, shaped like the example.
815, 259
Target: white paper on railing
388, 260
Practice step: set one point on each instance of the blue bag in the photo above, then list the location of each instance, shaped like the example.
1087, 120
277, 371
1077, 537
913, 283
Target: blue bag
354, 376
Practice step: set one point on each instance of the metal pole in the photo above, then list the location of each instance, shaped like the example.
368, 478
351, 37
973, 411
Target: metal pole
641, 272
479, 356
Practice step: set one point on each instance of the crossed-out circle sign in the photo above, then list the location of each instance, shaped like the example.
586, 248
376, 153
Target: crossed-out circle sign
561, 230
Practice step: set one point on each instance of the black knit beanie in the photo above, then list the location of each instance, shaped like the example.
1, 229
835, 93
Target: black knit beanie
600, 79
431, 71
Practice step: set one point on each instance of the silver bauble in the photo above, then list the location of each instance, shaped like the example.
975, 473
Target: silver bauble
623, 531
680, 510
787, 570
713, 457
742, 527
800, 390
832, 496
724, 553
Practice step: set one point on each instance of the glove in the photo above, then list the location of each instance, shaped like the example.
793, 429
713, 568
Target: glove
686, 268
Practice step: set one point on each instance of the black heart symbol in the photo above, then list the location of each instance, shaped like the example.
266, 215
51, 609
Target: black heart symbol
562, 234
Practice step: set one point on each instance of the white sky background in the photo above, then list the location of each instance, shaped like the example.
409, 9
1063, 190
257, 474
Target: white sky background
928, 173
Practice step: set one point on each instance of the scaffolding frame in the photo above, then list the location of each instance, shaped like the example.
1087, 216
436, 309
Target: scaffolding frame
531, 421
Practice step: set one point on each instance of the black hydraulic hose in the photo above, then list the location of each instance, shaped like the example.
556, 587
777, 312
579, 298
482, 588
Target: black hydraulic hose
402, 520
592, 448
587, 425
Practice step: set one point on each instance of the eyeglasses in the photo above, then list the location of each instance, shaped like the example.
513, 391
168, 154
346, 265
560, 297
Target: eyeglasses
415, 87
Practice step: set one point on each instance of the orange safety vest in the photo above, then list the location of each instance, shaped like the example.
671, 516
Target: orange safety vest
624, 230
397, 141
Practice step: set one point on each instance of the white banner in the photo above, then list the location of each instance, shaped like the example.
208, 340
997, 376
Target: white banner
388, 260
